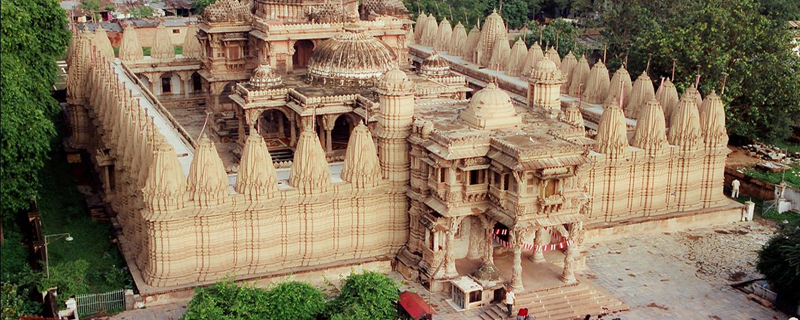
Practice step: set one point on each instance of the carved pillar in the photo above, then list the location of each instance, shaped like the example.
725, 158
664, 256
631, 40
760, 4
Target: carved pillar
538, 255
186, 78
293, 129
328, 121
450, 261
156, 84
570, 263
106, 181
516, 271
289, 56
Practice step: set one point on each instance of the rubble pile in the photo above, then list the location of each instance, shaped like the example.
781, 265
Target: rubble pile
771, 153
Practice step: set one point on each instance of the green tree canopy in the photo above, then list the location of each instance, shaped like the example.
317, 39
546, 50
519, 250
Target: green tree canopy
559, 31
717, 36
229, 301
200, 5
779, 261
142, 11
34, 34
370, 293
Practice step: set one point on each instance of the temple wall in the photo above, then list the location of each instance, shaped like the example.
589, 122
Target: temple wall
244, 238
637, 184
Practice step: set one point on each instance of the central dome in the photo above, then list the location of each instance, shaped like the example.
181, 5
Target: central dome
351, 57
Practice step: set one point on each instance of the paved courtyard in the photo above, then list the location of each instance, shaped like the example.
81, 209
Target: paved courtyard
683, 275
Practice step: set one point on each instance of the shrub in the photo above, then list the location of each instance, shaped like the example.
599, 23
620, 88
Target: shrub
371, 295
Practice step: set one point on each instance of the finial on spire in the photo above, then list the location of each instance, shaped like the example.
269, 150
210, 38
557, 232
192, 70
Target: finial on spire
605, 50
724, 80
647, 68
674, 62
557, 41
697, 78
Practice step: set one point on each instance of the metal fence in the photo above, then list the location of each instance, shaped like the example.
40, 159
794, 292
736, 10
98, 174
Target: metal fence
89, 304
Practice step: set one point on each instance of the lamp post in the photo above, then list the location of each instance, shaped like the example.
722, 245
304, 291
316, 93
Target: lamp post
46, 258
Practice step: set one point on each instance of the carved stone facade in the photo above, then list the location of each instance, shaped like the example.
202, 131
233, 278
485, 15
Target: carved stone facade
294, 174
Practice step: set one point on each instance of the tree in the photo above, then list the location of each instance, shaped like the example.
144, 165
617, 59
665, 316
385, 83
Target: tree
779, 261
717, 36
91, 6
200, 5
370, 293
567, 35
142, 12
34, 33
227, 300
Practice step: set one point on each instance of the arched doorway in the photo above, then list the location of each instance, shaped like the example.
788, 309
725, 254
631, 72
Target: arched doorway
274, 125
302, 52
340, 134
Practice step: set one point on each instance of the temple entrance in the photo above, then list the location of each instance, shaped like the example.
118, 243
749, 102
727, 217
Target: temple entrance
274, 125
302, 52
340, 134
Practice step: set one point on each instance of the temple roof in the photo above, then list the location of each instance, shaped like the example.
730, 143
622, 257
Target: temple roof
265, 77
228, 11
351, 57
434, 66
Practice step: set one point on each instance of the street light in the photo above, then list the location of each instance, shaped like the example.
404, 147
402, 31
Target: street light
69, 238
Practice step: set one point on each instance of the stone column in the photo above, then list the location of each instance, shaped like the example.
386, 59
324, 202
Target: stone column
186, 79
450, 261
289, 56
516, 272
293, 129
328, 121
538, 255
106, 181
570, 263
156, 84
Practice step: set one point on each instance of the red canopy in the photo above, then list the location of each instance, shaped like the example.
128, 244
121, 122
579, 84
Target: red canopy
414, 305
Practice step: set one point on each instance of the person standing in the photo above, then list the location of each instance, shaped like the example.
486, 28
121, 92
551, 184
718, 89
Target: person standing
735, 188
510, 300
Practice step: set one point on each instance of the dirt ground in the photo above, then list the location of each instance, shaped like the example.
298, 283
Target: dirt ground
738, 158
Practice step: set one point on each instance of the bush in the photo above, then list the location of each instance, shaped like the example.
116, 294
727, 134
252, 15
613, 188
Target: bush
227, 300
371, 295
779, 261
68, 276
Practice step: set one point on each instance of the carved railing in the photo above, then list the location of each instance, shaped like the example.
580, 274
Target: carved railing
475, 193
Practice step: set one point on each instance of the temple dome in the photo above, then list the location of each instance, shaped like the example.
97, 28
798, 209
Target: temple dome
434, 66
228, 11
351, 57
491, 108
264, 77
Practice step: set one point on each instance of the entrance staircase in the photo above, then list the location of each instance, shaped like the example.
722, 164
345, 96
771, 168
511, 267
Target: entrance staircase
281, 155
560, 303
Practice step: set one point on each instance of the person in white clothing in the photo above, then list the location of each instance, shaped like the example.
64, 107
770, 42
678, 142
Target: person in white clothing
510, 300
735, 188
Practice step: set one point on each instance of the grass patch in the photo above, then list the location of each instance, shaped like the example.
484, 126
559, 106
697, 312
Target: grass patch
64, 210
791, 176
792, 218
116, 51
788, 146
178, 49
146, 51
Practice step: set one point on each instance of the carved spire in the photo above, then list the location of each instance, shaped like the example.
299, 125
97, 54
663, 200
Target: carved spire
532, 58
712, 122
667, 95
597, 84
162, 44
191, 46
102, 43
130, 50
500, 53
207, 183
493, 29
612, 134
516, 60
693, 93
641, 92
650, 128
166, 185
684, 130
310, 172
429, 33
579, 76
361, 165
457, 40
552, 54
567, 65
419, 27
471, 45
614, 88
443, 34
256, 178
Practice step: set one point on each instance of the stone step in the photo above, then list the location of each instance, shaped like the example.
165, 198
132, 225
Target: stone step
564, 303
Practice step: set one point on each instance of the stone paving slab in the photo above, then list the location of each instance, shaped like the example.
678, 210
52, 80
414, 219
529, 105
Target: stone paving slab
651, 274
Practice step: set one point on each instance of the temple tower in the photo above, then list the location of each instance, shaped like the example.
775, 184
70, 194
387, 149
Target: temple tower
394, 125
544, 87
